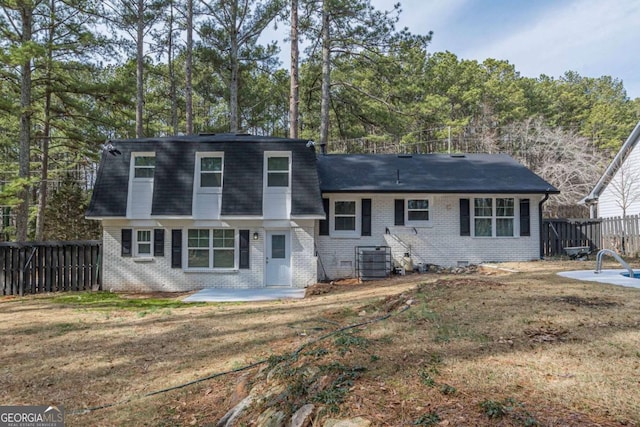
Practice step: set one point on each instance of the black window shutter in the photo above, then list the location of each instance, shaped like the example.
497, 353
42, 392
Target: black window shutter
324, 223
176, 248
244, 249
525, 218
399, 212
127, 237
158, 242
465, 218
366, 217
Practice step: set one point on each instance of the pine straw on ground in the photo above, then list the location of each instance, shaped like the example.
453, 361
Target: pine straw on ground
491, 348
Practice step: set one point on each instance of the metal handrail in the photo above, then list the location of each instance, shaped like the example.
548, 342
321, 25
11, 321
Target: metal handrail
622, 262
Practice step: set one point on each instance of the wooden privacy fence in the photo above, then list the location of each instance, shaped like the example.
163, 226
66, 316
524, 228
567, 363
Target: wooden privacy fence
558, 234
622, 234
36, 267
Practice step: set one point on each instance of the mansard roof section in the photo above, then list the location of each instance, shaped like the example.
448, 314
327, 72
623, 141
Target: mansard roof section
175, 168
428, 173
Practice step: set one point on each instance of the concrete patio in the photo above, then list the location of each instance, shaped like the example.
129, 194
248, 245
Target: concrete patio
238, 295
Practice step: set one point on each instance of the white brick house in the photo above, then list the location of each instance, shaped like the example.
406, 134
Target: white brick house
193, 212
437, 208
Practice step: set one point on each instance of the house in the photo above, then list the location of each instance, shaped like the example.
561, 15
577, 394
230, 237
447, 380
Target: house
190, 212
617, 192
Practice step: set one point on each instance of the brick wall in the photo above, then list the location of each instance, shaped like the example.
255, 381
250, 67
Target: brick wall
156, 274
439, 243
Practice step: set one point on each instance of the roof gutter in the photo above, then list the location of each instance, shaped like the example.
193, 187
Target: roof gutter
613, 167
546, 197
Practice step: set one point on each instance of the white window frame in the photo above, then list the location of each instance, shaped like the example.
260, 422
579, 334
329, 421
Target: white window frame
272, 154
199, 172
494, 217
358, 217
137, 155
418, 223
211, 250
137, 242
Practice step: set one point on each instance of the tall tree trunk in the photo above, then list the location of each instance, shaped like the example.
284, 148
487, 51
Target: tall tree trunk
326, 76
294, 79
140, 70
44, 171
235, 66
188, 67
22, 212
172, 74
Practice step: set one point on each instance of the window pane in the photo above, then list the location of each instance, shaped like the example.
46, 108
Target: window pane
144, 235
278, 179
483, 207
278, 246
345, 223
145, 161
504, 207
144, 248
223, 258
418, 204
504, 227
211, 164
198, 258
223, 238
345, 208
211, 179
483, 227
278, 164
198, 239
143, 172
418, 215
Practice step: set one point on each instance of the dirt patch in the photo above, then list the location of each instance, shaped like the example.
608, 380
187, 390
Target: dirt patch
587, 302
546, 333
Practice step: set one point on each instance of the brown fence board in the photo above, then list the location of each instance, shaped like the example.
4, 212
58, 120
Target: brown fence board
36, 267
621, 235
558, 234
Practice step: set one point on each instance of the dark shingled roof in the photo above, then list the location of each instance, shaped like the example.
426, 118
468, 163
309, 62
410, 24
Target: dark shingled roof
427, 173
175, 167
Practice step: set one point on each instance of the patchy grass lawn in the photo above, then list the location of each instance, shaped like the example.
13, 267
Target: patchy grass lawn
506, 349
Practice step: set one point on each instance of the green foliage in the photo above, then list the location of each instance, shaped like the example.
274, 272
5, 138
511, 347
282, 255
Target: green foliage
344, 342
113, 301
508, 407
429, 419
65, 214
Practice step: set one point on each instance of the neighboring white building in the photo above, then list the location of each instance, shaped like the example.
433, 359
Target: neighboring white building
192, 212
619, 186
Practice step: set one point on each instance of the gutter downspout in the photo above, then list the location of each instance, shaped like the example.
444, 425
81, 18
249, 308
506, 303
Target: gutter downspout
546, 197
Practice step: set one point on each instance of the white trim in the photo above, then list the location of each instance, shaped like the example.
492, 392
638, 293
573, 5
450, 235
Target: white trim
358, 217
270, 154
288, 249
493, 218
136, 249
197, 185
416, 223
210, 249
132, 172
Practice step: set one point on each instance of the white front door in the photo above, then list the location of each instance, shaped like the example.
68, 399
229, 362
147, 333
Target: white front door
278, 259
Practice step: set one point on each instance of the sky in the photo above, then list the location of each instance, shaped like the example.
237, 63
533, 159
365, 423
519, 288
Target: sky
592, 37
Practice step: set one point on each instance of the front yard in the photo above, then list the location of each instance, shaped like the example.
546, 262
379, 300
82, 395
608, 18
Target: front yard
489, 348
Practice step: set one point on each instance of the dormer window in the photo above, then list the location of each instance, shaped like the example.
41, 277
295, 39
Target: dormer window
278, 171
210, 172
144, 166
